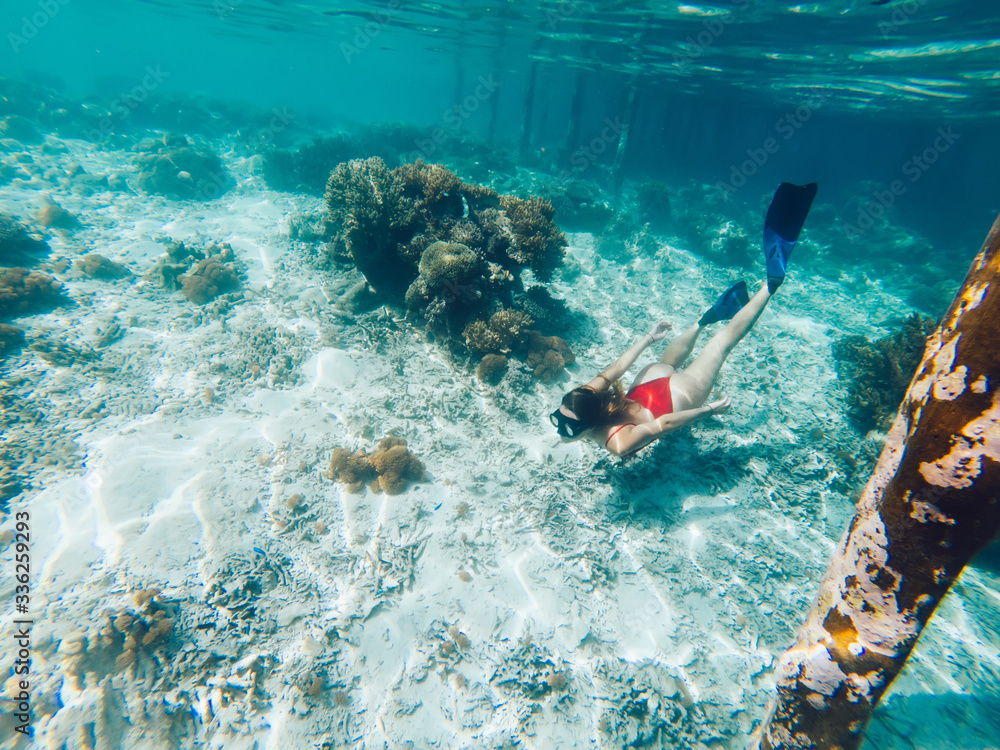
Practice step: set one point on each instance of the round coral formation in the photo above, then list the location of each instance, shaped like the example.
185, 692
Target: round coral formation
492, 368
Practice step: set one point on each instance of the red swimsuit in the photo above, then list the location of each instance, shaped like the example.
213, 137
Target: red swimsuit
653, 395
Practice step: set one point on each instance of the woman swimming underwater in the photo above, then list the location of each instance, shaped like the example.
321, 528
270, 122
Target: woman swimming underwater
663, 397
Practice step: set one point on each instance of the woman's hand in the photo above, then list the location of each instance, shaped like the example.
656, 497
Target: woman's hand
721, 405
659, 331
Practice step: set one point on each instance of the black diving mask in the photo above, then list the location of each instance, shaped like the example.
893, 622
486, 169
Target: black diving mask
566, 426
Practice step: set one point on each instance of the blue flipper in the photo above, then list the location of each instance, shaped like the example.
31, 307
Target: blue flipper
729, 303
785, 217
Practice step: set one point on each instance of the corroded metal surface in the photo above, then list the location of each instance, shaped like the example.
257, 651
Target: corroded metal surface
932, 502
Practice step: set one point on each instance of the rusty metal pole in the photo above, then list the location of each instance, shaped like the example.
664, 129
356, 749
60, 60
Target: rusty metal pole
932, 502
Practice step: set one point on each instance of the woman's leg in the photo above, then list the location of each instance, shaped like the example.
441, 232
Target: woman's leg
680, 348
692, 387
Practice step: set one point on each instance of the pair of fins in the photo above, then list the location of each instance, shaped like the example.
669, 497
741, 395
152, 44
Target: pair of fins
785, 217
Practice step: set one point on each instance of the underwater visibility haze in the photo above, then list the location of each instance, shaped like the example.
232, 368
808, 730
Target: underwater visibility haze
297, 301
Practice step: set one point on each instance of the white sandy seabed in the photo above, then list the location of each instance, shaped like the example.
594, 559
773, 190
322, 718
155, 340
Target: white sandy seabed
579, 601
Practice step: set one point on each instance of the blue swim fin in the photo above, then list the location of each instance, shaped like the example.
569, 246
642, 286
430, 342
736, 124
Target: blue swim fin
785, 217
729, 303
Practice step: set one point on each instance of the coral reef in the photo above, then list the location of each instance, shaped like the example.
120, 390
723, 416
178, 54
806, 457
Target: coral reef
547, 312
23, 292
368, 220
447, 288
390, 468
98, 267
11, 339
385, 220
126, 636
877, 373
202, 274
175, 167
505, 332
538, 244
17, 245
492, 368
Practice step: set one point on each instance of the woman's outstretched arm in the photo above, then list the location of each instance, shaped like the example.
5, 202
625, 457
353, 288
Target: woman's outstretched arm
615, 371
633, 437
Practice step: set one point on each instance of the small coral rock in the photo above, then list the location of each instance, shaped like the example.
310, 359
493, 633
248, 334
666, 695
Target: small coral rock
177, 169
54, 216
98, 267
208, 280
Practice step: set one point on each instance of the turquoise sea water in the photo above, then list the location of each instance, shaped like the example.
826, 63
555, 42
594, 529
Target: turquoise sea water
175, 434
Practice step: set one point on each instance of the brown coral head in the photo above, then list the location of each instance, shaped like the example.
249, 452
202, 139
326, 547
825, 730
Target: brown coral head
492, 368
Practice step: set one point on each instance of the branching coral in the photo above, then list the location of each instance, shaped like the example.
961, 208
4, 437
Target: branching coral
202, 274
132, 632
393, 466
23, 292
547, 312
367, 215
538, 243
877, 372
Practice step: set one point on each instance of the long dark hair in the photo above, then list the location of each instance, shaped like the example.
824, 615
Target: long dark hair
598, 408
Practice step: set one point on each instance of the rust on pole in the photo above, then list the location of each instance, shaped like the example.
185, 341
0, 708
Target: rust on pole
932, 502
